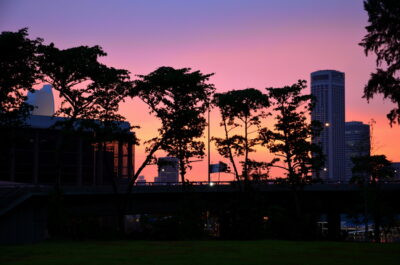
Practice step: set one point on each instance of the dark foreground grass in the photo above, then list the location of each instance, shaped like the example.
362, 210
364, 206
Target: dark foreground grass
200, 252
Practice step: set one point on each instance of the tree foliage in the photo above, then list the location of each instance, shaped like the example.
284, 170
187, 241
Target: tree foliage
383, 39
110, 87
290, 140
18, 73
89, 89
178, 98
240, 109
90, 94
371, 169
70, 71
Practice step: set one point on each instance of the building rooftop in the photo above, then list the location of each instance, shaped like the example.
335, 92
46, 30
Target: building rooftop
355, 123
325, 71
45, 122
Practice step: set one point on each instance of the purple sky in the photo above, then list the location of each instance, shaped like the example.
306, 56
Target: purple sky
245, 43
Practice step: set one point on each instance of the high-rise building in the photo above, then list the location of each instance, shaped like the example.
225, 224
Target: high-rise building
168, 170
327, 86
357, 139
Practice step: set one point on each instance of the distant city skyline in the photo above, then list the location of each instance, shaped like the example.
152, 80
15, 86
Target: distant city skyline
245, 43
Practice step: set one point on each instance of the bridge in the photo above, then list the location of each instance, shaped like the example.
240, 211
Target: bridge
23, 207
155, 196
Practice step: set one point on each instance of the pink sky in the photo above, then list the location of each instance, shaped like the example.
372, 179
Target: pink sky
245, 43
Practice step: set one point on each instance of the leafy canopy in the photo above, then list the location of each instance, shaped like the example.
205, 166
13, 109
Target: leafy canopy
290, 141
18, 73
178, 98
372, 169
383, 39
240, 108
89, 89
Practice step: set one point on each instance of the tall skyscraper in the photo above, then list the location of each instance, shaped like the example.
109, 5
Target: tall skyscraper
357, 139
327, 86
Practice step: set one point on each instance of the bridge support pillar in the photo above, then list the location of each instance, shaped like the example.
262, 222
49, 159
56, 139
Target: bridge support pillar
334, 224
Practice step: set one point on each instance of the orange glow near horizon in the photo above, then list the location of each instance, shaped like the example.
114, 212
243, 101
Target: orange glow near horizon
137, 113
245, 43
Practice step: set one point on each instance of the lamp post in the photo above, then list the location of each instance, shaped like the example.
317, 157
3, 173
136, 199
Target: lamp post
208, 146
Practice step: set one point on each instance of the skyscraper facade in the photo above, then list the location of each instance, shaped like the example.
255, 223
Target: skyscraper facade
327, 86
357, 139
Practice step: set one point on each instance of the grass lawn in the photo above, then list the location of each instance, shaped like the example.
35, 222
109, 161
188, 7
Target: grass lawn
200, 252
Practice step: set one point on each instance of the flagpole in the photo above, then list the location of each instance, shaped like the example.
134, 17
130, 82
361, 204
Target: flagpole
208, 146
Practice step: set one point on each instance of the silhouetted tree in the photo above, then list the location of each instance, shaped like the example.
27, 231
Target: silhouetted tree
110, 87
371, 169
18, 73
245, 109
383, 39
90, 91
290, 141
369, 172
242, 109
178, 98
72, 72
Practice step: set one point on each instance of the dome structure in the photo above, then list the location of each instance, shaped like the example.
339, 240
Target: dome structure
42, 100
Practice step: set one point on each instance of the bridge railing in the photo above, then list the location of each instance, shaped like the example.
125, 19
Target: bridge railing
263, 182
196, 183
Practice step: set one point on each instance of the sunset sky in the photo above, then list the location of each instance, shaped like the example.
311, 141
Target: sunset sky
255, 43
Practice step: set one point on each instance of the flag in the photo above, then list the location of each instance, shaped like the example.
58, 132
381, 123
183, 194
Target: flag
220, 167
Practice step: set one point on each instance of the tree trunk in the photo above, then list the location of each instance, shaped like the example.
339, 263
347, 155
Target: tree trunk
298, 218
230, 153
377, 213
59, 154
377, 228
144, 164
246, 152
182, 171
366, 232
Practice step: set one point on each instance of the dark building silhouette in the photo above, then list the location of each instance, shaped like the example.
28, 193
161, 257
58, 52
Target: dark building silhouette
328, 86
32, 156
357, 138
